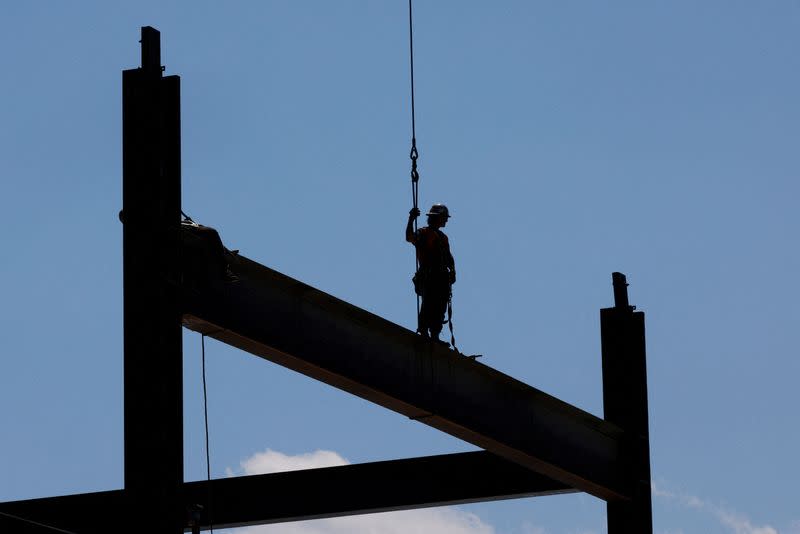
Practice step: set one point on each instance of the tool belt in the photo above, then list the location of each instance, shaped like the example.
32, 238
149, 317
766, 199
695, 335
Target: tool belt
427, 278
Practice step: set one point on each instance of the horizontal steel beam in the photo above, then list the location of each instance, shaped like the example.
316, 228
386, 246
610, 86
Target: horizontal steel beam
85, 513
368, 488
298, 495
294, 325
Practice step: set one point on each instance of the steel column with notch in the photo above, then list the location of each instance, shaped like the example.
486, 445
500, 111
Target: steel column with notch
625, 404
152, 312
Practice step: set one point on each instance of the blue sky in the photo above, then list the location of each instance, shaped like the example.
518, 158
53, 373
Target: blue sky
570, 140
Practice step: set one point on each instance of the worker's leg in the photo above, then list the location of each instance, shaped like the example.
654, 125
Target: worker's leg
434, 304
437, 306
424, 315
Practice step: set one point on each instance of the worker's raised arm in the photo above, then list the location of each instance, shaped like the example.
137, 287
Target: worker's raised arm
410, 235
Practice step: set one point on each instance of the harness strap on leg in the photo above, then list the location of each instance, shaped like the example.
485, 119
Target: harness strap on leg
420, 288
450, 320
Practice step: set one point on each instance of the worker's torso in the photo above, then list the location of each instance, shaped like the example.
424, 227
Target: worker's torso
433, 249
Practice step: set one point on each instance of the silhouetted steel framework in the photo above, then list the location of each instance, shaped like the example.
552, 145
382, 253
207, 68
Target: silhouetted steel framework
534, 444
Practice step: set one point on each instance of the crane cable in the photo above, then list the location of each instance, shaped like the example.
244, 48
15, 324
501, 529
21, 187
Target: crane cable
414, 154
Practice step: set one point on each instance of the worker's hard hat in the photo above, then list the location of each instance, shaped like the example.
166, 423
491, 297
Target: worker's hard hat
439, 209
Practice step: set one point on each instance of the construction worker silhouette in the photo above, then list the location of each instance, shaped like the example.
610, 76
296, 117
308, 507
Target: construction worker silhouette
436, 272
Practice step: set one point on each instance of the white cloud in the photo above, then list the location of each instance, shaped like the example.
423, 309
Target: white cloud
445, 520
740, 524
427, 521
271, 461
734, 521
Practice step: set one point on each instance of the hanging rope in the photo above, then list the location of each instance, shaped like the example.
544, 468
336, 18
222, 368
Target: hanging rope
414, 154
205, 416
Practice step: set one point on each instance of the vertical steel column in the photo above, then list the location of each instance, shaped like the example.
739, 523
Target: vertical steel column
625, 404
152, 313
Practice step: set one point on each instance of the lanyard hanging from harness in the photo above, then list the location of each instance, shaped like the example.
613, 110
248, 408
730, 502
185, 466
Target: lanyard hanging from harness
414, 155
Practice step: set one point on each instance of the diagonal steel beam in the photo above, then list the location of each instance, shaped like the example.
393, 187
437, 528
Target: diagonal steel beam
294, 325
297, 495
